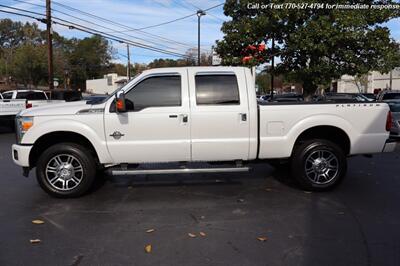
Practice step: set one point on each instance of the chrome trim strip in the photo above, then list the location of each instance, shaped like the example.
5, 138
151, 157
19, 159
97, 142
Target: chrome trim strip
179, 171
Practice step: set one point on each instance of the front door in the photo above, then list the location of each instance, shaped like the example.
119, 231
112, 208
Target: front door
156, 126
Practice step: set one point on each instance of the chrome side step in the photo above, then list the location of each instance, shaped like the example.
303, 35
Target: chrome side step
178, 171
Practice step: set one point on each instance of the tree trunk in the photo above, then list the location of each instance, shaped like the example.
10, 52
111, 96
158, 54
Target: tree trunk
309, 89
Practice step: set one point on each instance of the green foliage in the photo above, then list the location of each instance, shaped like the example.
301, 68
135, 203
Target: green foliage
30, 64
23, 55
263, 81
314, 46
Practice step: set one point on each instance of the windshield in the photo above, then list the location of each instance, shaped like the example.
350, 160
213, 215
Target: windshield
394, 107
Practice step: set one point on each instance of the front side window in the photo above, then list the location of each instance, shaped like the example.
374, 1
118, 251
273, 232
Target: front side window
157, 91
217, 90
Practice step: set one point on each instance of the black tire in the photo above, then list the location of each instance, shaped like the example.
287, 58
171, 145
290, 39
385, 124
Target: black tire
311, 168
81, 156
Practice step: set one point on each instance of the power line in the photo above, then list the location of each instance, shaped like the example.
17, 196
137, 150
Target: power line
23, 15
171, 21
118, 24
198, 8
98, 25
76, 26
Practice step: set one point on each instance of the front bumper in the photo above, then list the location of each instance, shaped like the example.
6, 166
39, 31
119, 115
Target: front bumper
392, 144
20, 154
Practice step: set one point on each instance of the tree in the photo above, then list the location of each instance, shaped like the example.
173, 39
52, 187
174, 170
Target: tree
88, 58
263, 81
30, 64
314, 45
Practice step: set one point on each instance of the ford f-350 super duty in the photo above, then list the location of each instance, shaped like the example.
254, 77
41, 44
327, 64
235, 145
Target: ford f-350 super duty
194, 114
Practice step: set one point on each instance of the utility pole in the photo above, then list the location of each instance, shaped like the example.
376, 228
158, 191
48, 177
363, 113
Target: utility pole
391, 79
49, 45
272, 68
199, 14
128, 68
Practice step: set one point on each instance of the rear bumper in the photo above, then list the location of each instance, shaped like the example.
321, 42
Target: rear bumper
20, 154
392, 144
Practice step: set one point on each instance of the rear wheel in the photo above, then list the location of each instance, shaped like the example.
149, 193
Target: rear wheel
66, 170
318, 165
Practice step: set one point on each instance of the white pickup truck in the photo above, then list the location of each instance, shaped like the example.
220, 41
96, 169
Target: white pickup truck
34, 98
194, 114
9, 109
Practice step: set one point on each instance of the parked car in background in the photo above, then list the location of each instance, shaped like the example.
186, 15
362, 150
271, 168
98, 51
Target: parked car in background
66, 95
34, 98
386, 95
394, 106
287, 97
95, 98
370, 96
9, 108
342, 97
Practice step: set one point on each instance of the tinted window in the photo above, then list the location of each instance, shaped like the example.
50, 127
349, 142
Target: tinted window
156, 92
31, 95
217, 89
7, 95
389, 96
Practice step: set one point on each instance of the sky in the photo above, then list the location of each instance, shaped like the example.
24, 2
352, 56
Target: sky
177, 37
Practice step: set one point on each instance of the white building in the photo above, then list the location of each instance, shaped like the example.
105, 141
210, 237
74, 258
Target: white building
375, 80
106, 85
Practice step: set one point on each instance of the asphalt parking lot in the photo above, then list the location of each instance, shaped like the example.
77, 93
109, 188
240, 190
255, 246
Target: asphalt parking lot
357, 224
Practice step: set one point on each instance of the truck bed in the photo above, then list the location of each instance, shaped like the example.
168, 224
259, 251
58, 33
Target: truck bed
281, 123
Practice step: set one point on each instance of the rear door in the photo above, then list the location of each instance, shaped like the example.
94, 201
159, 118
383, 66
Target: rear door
219, 115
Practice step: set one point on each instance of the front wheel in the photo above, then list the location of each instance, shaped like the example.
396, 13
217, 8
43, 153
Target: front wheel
66, 170
318, 165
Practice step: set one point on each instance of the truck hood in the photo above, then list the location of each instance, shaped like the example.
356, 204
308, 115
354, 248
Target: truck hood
69, 108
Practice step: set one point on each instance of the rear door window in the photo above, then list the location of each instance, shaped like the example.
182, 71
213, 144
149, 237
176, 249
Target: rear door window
220, 89
31, 95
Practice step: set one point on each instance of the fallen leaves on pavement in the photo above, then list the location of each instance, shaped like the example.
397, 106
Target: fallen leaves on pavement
35, 241
38, 222
262, 238
191, 235
150, 230
147, 248
202, 234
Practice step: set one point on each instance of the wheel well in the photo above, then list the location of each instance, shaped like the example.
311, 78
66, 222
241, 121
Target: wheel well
331, 133
53, 138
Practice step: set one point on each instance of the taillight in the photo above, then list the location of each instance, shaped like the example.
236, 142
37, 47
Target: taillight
28, 105
389, 121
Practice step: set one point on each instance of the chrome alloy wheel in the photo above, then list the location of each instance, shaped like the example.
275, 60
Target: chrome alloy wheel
64, 172
321, 167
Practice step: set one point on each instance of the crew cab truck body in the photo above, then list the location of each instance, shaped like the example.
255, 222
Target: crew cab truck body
192, 114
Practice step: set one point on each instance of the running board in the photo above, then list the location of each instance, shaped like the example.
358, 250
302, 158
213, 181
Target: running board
178, 171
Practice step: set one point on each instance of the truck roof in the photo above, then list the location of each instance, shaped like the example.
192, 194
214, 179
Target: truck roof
202, 68
23, 91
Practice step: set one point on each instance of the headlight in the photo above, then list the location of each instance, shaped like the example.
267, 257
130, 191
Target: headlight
23, 124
